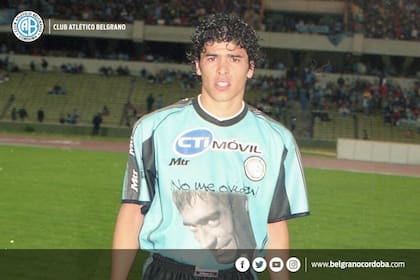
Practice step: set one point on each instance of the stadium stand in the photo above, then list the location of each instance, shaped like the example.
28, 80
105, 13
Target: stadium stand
85, 93
353, 127
301, 97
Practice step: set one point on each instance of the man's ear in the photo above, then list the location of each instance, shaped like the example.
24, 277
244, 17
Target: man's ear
251, 70
197, 67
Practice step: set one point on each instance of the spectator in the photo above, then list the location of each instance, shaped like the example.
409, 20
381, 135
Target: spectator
44, 64
32, 66
61, 119
23, 114
96, 121
160, 101
40, 115
72, 68
150, 101
73, 118
106, 71
293, 122
57, 89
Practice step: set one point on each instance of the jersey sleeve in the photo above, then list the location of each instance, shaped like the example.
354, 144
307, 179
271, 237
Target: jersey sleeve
290, 196
136, 188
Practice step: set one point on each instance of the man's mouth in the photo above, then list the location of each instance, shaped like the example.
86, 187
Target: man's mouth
222, 84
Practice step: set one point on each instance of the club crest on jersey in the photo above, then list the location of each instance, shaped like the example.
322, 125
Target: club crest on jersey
193, 142
255, 168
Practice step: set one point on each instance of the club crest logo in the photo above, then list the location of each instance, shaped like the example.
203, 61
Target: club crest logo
27, 26
255, 168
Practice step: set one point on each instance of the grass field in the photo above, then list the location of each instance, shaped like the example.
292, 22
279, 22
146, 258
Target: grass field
56, 198
68, 199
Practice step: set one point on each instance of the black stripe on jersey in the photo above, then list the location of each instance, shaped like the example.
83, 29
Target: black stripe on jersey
280, 207
215, 121
132, 178
148, 152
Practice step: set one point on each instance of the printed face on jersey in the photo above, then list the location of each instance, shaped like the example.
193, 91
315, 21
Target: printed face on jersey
211, 219
224, 68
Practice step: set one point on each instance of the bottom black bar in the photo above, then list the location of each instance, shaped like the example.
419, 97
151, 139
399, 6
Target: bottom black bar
301, 264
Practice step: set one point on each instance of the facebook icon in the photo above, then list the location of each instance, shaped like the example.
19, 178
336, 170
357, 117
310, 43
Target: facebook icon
242, 264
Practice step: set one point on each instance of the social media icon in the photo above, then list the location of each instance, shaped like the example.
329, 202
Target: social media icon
293, 264
242, 264
276, 264
259, 264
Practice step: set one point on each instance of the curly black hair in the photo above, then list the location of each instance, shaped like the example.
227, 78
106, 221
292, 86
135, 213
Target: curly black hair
225, 28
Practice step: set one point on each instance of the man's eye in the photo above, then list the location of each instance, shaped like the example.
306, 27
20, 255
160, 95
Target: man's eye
192, 228
236, 59
211, 58
213, 223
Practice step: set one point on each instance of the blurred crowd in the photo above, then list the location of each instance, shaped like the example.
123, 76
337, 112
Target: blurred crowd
169, 12
398, 104
97, 10
391, 19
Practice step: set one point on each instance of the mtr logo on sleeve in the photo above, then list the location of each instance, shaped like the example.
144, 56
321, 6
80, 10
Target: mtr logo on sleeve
193, 142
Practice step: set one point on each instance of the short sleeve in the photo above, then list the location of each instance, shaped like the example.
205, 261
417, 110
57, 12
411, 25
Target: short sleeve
135, 186
290, 196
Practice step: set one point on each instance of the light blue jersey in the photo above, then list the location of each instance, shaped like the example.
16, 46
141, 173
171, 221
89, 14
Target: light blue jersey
211, 184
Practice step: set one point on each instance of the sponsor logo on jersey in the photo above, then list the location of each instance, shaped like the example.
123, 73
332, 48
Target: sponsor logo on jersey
179, 161
197, 141
131, 147
193, 142
134, 184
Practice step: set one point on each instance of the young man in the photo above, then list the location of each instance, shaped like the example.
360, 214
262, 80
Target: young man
210, 172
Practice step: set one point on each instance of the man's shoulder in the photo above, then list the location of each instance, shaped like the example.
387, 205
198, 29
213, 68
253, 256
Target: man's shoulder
156, 117
264, 118
174, 106
270, 124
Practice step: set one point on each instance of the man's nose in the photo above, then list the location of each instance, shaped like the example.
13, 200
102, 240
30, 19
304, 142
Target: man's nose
222, 67
206, 239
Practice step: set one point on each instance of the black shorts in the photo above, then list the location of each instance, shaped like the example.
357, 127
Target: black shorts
162, 268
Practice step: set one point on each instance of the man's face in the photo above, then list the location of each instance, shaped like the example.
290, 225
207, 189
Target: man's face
211, 222
224, 68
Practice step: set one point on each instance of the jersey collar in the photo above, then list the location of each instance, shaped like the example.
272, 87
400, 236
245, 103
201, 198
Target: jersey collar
226, 122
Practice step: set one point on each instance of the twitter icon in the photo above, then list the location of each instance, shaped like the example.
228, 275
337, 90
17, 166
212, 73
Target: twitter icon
259, 264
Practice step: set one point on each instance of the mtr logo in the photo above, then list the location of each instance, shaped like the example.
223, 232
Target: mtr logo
193, 142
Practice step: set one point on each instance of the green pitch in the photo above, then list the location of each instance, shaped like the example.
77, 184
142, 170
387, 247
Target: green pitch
68, 199
359, 211
57, 198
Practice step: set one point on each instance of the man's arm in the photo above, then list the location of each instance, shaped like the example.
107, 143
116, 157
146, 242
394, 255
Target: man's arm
126, 240
278, 246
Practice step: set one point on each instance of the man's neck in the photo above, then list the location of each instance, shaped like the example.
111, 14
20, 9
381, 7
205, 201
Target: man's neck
225, 110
